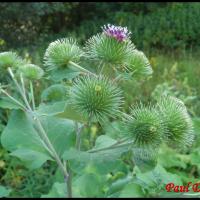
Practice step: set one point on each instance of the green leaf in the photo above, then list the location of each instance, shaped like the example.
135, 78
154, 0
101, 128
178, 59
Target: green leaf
196, 123
58, 191
54, 93
72, 114
61, 109
116, 167
7, 103
156, 179
32, 159
195, 157
51, 109
61, 133
4, 192
118, 185
114, 129
73, 153
60, 74
20, 135
169, 158
88, 185
104, 141
145, 159
132, 190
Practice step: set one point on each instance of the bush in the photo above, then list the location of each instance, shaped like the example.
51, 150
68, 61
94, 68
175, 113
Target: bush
154, 25
48, 124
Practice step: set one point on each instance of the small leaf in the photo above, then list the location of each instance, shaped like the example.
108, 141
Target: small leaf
51, 109
145, 159
89, 185
104, 141
63, 74
169, 158
156, 179
32, 159
7, 103
72, 114
58, 190
4, 192
119, 185
132, 190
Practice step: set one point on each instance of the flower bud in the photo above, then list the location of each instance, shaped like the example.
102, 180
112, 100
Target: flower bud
9, 59
60, 52
31, 71
139, 65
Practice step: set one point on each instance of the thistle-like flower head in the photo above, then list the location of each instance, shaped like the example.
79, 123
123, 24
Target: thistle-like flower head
178, 123
108, 51
10, 59
119, 33
60, 52
145, 127
97, 98
138, 64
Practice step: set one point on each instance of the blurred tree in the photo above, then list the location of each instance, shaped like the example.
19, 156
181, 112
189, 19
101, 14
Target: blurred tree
21, 23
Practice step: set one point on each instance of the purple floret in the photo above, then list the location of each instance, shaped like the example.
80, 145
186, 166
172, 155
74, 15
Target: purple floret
118, 32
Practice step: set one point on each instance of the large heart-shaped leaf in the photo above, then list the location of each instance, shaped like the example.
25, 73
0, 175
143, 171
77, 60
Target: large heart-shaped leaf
21, 138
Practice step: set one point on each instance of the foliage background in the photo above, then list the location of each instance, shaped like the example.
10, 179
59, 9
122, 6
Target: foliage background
168, 33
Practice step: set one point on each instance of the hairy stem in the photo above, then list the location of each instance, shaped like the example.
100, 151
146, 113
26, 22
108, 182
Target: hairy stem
43, 133
32, 95
69, 180
78, 135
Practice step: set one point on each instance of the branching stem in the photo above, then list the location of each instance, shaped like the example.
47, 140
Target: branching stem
32, 95
43, 133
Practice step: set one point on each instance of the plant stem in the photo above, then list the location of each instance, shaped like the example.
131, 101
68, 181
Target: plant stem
69, 180
42, 131
50, 146
23, 92
81, 68
78, 136
32, 95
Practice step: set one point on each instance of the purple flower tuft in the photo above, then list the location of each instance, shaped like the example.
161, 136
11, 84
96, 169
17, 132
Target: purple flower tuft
118, 32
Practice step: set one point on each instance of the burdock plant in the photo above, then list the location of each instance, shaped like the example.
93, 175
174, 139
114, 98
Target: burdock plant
52, 129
